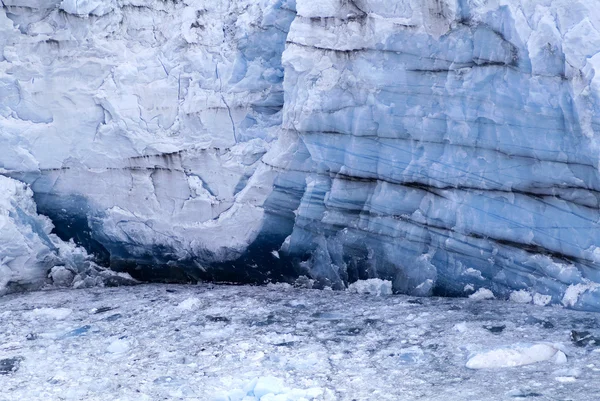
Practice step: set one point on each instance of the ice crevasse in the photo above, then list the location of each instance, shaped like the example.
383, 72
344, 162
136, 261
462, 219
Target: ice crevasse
444, 145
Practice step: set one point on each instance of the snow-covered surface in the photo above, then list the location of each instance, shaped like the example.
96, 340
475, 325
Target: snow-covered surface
443, 145
209, 343
481, 294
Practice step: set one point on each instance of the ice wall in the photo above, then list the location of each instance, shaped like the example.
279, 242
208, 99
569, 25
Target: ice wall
32, 257
446, 145
455, 144
139, 124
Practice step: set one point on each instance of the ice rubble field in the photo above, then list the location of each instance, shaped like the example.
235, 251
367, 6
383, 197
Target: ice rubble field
225, 343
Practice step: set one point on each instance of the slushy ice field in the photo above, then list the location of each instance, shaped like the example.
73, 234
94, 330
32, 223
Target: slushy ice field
274, 343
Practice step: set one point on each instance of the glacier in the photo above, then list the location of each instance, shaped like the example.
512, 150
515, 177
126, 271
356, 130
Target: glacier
32, 257
447, 146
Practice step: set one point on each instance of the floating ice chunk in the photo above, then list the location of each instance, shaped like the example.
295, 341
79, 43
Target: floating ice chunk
461, 327
279, 286
512, 357
61, 276
575, 291
269, 388
86, 7
565, 379
48, 313
560, 358
189, 304
521, 297
268, 385
80, 331
482, 294
411, 356
119, 346
373, 286
541, 299
225, 397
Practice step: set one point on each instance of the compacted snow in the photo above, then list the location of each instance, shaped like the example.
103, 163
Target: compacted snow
225, 343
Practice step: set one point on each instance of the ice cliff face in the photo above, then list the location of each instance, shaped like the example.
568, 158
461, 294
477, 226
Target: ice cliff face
26, 246
139, 124
446, 145
454, 143
31, 256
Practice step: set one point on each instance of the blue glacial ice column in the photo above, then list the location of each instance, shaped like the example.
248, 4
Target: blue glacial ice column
454, 145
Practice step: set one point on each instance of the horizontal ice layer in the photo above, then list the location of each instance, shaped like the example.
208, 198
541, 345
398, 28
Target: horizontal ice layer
454, 144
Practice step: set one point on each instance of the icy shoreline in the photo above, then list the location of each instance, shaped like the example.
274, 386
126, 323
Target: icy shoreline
208, 342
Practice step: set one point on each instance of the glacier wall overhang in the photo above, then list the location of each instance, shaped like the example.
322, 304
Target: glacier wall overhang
446, 145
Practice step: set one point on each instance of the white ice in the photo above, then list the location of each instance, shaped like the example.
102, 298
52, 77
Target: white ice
518, 356
277, 343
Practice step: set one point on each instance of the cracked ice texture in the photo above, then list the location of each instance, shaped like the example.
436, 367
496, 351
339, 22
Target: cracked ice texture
28, 249
444, 145
142, 122
454, 143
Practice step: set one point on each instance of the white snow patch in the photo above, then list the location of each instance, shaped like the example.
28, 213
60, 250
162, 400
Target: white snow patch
512, 357
373, 286
482, 294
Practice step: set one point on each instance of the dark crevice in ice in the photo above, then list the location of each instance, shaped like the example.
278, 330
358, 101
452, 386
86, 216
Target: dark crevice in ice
69, 216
